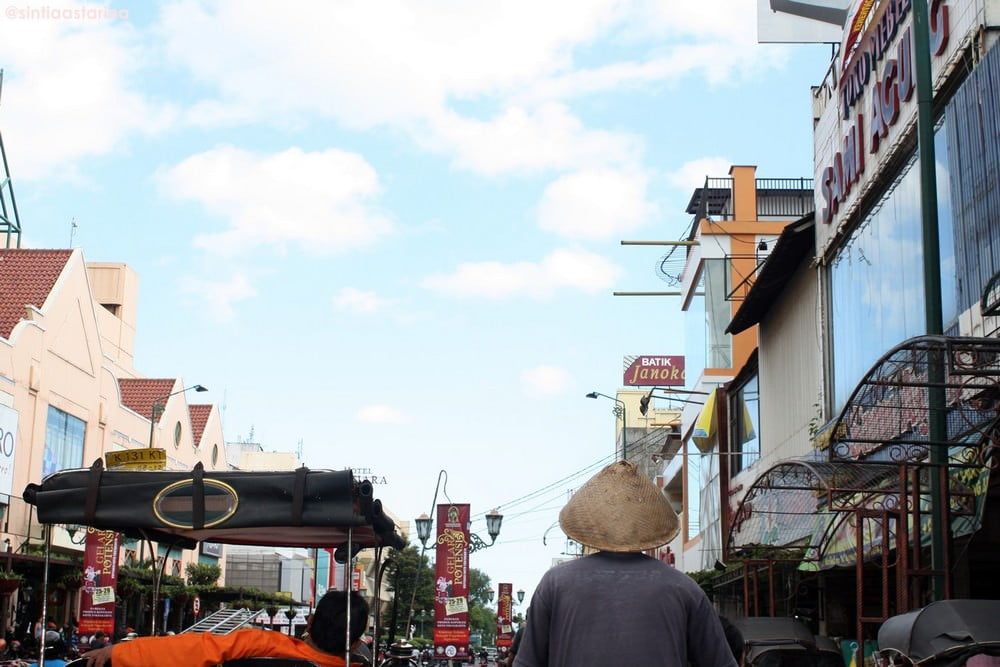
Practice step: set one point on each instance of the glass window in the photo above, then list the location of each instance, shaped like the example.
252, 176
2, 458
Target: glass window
877, 278
744, 425
64, 435
718, 314
177, 435
692, 506
215, 454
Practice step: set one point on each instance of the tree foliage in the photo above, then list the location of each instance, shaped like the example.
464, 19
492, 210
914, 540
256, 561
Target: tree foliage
202, 574
402, 574
407, 569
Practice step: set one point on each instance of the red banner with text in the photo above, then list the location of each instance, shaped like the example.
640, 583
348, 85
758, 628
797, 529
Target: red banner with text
451, 586
100, 579
505, 618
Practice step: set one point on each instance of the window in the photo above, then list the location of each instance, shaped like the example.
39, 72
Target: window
215, 454
876, 279
177, 435
718, 314
64, 435
692, 503
744, 421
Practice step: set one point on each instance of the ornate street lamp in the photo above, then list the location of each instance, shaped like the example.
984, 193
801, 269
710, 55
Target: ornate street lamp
493, 521
520, 595
159, 405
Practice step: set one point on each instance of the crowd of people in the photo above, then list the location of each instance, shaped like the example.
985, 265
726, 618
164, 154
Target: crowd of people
62, 644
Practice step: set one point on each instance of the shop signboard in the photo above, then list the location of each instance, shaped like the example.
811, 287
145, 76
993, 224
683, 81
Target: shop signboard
650, 370
8, 436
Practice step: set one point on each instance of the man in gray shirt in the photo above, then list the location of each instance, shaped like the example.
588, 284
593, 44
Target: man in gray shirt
618, 606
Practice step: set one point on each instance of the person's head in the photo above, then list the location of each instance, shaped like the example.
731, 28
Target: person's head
330, 621
619, 509
100, 634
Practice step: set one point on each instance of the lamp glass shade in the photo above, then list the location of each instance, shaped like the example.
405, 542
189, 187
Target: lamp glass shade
520, 595
493, 521
424, 524
489, 594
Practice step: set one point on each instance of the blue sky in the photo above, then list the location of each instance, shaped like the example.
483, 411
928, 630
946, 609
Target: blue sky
391, 229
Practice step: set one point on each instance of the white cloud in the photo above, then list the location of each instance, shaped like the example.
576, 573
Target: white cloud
483, 81
595, 204
545, 381
380, 414
320, 202
692, 174
359, 301
561, 269
67, 91
368, 62
547, 137
220, 295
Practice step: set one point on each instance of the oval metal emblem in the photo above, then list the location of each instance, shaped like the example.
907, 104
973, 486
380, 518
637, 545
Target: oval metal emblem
174, 504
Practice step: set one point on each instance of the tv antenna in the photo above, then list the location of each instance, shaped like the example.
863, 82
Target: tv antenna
10, 222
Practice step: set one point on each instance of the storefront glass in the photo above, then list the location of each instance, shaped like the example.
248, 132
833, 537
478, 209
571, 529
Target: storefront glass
877, 279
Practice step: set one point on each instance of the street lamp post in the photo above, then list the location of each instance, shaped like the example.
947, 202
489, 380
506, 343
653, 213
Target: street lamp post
160, 403
424, 525
619, 412
158, 570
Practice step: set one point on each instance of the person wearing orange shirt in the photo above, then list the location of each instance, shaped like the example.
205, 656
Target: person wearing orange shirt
324, 644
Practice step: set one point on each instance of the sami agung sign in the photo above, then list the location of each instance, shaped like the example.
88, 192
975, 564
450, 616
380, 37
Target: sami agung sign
654, 371
878, 78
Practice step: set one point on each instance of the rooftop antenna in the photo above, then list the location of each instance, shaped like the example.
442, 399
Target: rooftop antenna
72, 231
10, 223
298, 451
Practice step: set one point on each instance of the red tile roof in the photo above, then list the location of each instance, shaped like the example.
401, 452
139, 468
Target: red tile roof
140, 394
26, 278
199, 417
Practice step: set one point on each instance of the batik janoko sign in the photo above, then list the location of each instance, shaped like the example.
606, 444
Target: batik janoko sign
451, 586
654, 371
877, 79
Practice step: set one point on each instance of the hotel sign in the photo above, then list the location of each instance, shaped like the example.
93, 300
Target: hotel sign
654, 371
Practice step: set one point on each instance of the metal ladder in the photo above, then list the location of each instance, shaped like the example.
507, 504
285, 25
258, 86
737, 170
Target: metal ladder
223, 621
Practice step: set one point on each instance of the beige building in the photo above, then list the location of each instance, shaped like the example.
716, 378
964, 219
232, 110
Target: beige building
70, 393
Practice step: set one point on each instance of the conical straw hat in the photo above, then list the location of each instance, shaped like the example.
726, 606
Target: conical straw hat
619, 509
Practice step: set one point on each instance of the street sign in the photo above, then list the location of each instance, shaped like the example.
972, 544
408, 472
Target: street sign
152, 458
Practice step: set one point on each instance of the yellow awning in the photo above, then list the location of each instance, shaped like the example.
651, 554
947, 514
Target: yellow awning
703, 434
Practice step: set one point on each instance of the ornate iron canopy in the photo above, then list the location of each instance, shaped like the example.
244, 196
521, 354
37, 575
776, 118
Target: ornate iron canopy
886, 418
792, 509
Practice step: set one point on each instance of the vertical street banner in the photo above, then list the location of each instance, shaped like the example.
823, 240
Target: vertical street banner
324, 558
451, 585
100, 578
505, 618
